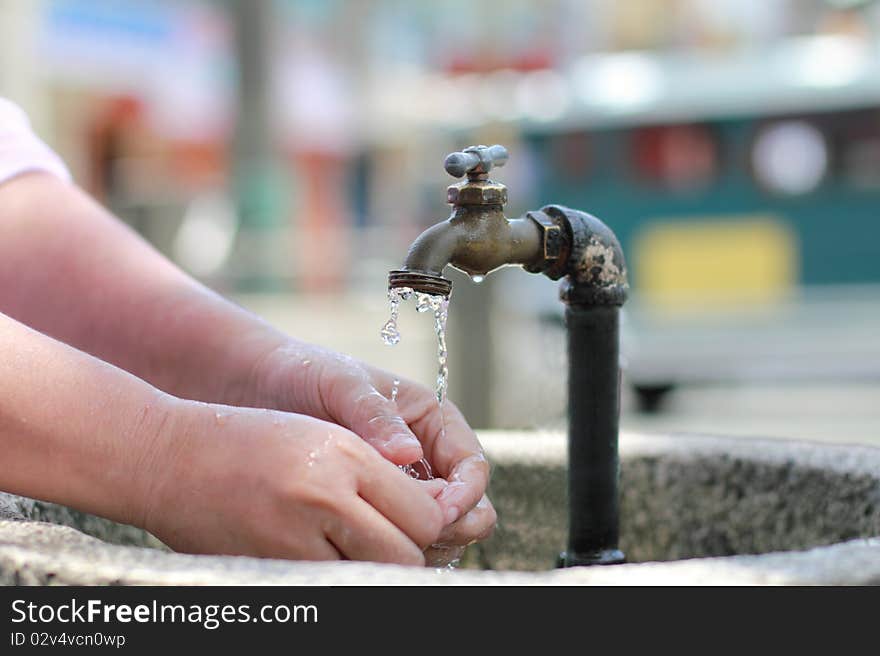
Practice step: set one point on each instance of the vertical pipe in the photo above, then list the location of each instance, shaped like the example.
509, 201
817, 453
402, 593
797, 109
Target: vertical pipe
253, 149
594, 416
256, 178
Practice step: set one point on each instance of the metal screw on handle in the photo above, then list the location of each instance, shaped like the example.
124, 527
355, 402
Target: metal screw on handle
475, 159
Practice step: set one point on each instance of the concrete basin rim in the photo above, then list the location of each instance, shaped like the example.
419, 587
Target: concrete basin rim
550, 448
42, 552
34, 547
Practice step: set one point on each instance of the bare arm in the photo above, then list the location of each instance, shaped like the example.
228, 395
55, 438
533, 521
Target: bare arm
74, 429
71, 270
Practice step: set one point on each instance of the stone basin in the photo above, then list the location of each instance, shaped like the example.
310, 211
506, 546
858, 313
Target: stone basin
694, 510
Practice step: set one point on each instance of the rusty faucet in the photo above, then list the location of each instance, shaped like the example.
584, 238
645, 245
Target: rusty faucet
477, 238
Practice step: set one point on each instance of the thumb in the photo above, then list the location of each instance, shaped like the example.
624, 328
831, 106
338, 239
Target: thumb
362, 409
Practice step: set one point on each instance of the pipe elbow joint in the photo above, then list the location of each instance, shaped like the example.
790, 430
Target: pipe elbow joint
594, 264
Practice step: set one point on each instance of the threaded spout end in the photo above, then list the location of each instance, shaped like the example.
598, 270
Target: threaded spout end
426, 283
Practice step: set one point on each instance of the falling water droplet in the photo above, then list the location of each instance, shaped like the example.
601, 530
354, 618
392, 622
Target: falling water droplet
478, 278
390, 332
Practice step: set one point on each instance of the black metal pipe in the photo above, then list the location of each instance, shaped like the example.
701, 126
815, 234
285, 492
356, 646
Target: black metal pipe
593, 420
594, 289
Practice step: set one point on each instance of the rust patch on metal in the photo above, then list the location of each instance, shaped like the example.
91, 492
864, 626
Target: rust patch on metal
598, 266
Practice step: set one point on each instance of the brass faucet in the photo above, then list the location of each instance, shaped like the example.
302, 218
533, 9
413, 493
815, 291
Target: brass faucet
477, 238
556, 241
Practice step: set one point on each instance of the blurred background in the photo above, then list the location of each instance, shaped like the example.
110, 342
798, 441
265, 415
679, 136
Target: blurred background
287, 152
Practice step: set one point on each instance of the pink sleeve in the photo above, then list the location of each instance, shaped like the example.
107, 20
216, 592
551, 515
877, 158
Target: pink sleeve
21, 150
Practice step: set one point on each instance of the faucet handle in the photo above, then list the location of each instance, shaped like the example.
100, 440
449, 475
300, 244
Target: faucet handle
475, 160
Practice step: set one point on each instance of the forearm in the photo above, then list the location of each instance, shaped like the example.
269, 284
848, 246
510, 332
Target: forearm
71, 270
76, 430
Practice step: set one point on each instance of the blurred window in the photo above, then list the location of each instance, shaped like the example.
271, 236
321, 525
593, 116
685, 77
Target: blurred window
572, 155
790, 157
677, 157
858, 141
861, 163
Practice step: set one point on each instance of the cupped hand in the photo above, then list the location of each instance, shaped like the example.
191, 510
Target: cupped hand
274, 484
341, 389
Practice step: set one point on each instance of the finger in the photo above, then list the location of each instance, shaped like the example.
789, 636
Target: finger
405, 502
353, 401
476, 525
318, 549
467, 484
300, 546
456, 453
361, 532
433, 486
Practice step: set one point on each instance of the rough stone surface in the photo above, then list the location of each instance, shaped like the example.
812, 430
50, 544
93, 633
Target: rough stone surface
711, 501
15, 507
688, 497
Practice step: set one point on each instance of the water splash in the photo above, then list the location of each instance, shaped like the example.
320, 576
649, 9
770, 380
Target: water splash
445, 557
395, 389
423, 302
412, 470
439, 305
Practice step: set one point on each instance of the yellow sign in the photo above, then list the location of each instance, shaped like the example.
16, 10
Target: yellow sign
738, 259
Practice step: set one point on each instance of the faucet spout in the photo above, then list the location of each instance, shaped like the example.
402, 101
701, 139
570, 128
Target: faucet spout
476, 238
475, 241
434, 248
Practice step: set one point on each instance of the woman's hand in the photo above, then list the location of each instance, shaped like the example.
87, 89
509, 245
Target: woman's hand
314, 381
273, 484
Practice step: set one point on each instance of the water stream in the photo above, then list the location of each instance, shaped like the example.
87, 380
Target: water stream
439, 306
